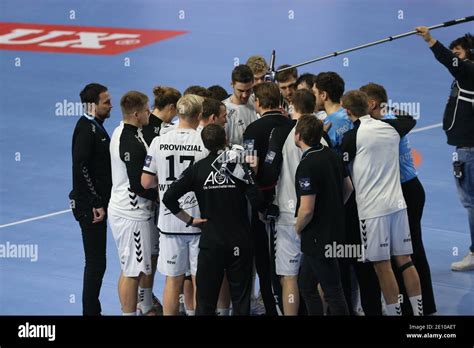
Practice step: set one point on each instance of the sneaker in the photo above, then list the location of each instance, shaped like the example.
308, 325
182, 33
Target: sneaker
151, 313
359, 312
466, 264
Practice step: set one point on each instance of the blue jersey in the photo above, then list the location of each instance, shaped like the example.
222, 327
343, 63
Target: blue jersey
341, 123
407, 166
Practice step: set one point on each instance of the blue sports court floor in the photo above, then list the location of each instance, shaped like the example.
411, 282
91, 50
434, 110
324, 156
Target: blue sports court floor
35, 159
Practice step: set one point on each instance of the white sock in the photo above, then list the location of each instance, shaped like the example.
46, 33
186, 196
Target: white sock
129, 314
146, 299
190, 313
394, 309
223, 312
417, 305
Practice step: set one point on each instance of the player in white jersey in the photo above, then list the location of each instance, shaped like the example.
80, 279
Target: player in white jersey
372, 149
286, 81
240, 105
169, 155
131, 206
279, 169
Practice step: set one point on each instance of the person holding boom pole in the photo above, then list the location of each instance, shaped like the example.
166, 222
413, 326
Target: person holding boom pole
458, 122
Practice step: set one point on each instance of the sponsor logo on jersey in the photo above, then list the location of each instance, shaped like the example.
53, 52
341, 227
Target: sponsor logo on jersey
216, 179
270, 157
180, 147
305, 184
77, 39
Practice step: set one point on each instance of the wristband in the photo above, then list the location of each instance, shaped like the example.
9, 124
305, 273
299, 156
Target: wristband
190, 222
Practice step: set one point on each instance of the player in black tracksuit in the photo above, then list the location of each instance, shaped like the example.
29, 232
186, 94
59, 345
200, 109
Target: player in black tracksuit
256, 141
226, 242
91, 186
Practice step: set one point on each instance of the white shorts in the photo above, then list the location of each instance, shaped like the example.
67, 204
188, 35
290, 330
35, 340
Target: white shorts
133, 240
385, 236
287, 250
178, 254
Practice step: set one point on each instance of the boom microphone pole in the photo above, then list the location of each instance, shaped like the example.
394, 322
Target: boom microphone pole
390, 38
270, 75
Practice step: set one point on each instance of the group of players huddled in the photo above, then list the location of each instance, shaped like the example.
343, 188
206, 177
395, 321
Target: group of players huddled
324, 204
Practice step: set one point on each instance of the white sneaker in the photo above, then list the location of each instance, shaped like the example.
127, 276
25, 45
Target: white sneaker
359, 312
466, 264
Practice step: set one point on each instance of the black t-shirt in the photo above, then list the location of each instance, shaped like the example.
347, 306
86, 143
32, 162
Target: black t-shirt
152, 130
257, 135
222, 200
321, 172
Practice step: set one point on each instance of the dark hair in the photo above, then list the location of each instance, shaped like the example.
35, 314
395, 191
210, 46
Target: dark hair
310, 129
287, 74
467, 44
165, 96
307, 78
210, 107
198, 90
357, 102
214, 138
242, 73
218, 92
331, 83
375, 91
268, 95
90, 93
133, 101
304, 101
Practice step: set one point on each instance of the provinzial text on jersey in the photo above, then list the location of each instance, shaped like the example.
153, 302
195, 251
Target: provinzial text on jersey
180, 147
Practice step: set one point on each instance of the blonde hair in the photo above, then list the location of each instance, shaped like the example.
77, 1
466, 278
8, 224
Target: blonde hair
257, 64
190, 106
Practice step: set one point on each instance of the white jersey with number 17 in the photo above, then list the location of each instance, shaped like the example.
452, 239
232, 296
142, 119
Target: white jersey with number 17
169, 155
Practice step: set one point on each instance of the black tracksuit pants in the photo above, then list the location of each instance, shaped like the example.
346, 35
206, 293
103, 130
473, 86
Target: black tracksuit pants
94, 238
414, 195
264, 264
237, 262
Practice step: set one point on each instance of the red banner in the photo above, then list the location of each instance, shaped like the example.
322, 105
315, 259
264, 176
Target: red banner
78, 39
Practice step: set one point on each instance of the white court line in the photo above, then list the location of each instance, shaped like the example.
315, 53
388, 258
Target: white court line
36, 218
426, 128
68, 210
